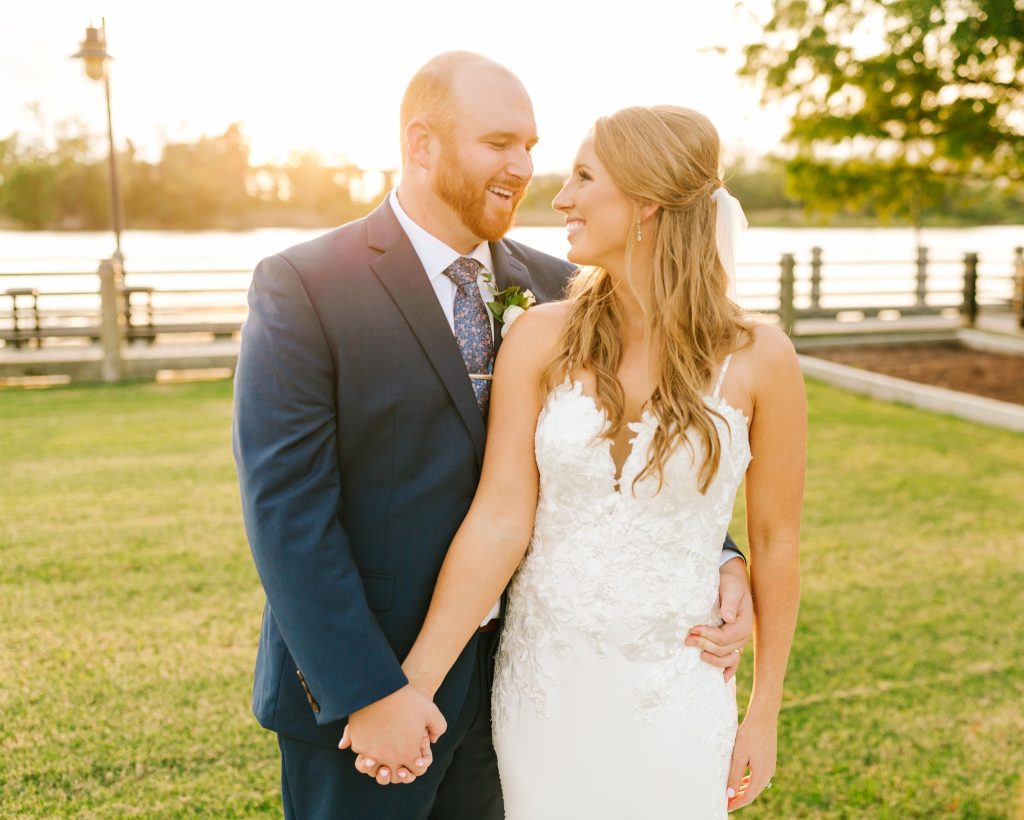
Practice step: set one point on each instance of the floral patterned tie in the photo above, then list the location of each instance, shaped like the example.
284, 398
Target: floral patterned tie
472, 326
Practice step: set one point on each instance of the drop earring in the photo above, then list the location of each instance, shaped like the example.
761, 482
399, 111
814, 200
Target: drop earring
639, 233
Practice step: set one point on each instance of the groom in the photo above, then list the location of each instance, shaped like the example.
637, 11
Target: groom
359, 437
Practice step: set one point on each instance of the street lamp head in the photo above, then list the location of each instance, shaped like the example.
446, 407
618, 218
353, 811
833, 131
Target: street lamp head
94, 53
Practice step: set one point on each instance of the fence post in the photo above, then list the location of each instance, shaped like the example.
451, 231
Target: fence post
1018, 285
815, 277
922, 275
969, 309
111, 319
787, 314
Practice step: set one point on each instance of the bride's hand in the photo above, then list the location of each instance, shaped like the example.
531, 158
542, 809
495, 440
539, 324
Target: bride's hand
755, 750
384, 775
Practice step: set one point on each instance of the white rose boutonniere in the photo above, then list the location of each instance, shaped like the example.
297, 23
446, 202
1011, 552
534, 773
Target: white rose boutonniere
509, 305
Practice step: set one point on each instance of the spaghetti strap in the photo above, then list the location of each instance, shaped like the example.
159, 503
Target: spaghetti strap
721, 375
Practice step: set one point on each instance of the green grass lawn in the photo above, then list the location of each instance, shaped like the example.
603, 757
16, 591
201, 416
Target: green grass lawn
129, 610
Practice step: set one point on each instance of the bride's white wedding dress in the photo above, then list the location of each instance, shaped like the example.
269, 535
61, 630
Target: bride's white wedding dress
599, 709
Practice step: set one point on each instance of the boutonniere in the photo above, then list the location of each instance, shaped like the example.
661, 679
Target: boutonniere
509, 304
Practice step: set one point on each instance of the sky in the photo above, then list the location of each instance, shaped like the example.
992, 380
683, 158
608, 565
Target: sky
329, 76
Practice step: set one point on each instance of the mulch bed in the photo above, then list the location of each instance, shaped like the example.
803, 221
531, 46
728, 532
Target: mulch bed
945, 364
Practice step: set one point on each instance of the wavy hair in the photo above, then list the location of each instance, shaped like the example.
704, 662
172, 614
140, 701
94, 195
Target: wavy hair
668, 156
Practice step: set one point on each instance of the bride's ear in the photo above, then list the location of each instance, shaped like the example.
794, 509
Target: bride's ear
646, 210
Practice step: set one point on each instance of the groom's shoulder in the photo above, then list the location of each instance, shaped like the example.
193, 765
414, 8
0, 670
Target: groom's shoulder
538, 261
328, 250
546, 275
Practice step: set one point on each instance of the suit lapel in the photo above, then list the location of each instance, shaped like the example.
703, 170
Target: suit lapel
507, 271
400, 272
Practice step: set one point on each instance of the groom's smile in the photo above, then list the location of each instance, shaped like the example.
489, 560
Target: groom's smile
502, 193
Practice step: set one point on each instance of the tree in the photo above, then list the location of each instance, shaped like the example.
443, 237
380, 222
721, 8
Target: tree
82, 189
319, 190
30, 194
199, 183
62, 185
896, 102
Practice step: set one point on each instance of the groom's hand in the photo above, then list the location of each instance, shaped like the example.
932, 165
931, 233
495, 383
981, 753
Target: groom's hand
388, 735
723, 646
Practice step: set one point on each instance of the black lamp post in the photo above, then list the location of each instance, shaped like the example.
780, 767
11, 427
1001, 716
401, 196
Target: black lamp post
93, 53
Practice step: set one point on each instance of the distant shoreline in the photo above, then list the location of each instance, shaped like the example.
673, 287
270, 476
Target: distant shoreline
542, 218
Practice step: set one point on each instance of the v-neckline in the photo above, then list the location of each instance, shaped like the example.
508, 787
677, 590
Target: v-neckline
618, 471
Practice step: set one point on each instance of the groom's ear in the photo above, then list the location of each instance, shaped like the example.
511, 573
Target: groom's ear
422, 141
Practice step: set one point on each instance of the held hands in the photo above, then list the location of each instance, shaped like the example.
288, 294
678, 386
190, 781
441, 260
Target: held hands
723, 646
392, 736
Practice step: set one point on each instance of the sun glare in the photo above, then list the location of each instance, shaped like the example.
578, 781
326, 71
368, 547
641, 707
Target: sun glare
329, 79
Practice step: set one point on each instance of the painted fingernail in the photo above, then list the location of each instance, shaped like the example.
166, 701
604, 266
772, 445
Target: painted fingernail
402, 775
730, 792
421, 762
368, 763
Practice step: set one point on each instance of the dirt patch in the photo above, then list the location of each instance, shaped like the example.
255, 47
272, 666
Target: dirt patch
944, 364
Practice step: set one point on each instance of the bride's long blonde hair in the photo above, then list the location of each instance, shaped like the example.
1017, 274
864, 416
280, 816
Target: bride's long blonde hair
667, 156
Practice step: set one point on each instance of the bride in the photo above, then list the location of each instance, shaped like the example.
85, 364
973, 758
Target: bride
622, 423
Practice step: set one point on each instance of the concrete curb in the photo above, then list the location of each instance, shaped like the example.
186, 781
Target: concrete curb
991, 342
979, 409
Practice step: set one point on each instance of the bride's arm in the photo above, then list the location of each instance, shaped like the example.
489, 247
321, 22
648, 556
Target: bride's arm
496, 531
774, 492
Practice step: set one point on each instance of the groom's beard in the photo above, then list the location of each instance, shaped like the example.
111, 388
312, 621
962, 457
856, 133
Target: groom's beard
468, 198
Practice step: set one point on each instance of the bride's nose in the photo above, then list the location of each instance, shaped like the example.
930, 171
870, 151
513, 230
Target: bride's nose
563, 199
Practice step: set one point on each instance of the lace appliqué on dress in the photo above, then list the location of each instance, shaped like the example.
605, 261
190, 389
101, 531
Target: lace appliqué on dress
627, 573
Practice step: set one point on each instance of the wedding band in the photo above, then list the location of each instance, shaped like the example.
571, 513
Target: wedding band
738, 651
768, 785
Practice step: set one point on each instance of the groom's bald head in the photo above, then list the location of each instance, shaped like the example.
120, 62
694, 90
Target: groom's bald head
433, 94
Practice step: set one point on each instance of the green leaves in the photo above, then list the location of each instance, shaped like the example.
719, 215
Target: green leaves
512, 296
895, 100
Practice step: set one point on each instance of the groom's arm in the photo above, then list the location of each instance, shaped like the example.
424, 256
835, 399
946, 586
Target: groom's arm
729, 551
285, 444
722, 646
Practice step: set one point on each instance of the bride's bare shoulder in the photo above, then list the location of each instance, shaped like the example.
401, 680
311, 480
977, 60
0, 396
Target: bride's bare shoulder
534, 335
551, 315
769, 343
770, 359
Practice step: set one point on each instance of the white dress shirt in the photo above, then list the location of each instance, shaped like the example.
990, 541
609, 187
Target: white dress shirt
435, 256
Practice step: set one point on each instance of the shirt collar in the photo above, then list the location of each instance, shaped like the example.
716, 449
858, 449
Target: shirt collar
435, 255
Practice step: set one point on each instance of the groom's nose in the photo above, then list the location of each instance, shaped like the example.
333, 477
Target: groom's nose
520, 164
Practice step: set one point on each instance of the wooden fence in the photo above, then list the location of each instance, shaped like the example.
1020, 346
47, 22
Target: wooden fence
123, 309
966, 295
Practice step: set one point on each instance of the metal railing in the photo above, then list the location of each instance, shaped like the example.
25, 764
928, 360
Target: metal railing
35, 315
898, 291
141, 307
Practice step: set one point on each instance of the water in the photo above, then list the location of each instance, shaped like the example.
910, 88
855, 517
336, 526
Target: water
857, 262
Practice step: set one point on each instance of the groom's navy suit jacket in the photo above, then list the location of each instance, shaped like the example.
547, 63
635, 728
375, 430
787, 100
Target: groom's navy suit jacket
358, 442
